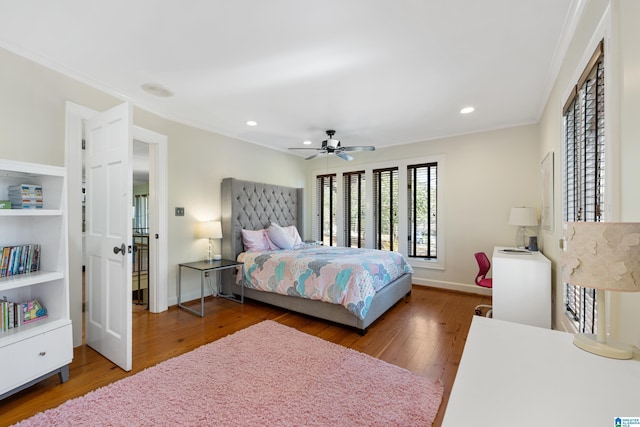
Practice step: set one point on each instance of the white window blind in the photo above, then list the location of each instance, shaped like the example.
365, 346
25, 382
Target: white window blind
423, 209
584, 172
354, 209
385, 204
326, 203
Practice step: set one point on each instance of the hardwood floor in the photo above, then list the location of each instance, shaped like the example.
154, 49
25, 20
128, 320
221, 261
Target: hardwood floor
424, 333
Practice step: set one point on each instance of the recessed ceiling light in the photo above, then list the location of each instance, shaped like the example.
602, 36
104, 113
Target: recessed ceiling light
157, 90
251, 123
307, 142
467, 110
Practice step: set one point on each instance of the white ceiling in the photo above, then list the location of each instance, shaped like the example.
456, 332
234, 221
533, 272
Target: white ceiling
380, 72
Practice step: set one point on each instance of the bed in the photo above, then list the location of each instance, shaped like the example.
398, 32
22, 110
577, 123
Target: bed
255, 206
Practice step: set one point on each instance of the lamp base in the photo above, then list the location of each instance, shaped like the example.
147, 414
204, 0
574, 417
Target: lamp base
611, 349
521, 237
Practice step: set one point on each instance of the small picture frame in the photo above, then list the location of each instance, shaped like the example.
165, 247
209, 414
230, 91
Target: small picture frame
547, 192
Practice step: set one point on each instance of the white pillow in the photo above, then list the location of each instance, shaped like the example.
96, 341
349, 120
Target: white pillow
281, 237
293, 231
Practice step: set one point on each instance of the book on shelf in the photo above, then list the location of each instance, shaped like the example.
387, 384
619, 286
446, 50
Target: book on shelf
6, 253
19, 259
13, 315
32, 311
25, 196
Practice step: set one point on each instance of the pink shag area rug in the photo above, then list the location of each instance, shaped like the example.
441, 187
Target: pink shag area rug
267, 374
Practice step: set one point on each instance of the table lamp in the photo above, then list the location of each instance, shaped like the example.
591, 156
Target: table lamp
211, 230
523, 218
604, 256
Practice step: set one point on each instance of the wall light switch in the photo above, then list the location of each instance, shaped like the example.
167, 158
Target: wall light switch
179, 211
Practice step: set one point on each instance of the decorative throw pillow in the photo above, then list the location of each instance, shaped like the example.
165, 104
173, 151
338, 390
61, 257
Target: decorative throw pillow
281, 237
293, 231
272, 245
255, 240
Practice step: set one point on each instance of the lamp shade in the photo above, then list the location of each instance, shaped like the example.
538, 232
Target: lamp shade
523, 217
602, 255
210, 230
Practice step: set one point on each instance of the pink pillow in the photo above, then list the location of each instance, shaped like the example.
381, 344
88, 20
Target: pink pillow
255, 240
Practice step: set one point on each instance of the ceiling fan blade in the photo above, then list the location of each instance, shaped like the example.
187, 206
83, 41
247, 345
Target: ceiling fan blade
343, 156
359, 148
316, 155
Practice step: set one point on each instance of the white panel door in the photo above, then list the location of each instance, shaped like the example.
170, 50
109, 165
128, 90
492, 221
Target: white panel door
109, 151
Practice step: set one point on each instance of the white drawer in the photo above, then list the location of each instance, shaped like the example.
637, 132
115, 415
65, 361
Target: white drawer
35, 356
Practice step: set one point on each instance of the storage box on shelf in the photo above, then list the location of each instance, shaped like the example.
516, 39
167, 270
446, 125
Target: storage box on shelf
36, 350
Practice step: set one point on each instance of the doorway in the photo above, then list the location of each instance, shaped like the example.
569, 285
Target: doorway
142, 217
158, 229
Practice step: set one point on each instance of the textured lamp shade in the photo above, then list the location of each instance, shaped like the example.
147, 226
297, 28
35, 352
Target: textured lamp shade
602, 256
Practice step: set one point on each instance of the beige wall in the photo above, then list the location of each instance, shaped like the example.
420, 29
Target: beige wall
32, 109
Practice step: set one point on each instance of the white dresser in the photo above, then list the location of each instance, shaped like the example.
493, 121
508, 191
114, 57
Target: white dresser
521, 287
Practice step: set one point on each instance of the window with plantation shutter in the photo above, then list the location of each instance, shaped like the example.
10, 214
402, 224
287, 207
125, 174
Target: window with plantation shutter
385, 205
354, 212
423, 201
390, 205
326, 213
584, 173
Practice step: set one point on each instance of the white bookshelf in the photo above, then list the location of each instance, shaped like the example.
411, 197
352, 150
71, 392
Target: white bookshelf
37, 350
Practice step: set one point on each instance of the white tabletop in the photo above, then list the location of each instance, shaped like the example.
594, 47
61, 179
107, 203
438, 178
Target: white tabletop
519, 375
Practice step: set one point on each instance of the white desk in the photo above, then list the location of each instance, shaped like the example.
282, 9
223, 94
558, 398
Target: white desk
521, 287
518, 375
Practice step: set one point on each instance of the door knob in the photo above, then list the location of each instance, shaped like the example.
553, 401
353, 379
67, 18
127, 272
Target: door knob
122, 249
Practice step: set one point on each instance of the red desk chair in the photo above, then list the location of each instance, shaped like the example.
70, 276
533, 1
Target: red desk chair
484, 265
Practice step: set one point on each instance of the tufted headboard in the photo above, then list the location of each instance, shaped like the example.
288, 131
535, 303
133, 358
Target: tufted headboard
252, 206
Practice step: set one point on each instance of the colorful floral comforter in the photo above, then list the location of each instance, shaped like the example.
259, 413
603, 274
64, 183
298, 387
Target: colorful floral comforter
345, 276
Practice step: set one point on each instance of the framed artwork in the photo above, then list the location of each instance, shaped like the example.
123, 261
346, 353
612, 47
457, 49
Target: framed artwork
547, 192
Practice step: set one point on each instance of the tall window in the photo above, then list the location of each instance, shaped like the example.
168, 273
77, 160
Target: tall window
423, 186
326, 218
385, 201
354, 213
584, 172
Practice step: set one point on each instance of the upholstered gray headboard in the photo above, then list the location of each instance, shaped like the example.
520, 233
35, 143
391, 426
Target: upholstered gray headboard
253, 206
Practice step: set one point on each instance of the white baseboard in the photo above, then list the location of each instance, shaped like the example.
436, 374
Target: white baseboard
451, 286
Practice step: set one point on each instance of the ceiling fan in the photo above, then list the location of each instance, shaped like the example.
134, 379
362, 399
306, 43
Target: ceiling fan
333, 146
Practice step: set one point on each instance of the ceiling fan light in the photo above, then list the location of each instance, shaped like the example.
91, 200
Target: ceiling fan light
331, 146
333, 143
